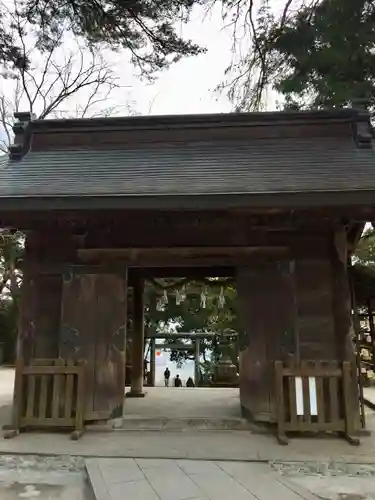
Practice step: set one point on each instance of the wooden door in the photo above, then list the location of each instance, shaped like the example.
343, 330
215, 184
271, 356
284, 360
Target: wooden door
267, 313
93, 327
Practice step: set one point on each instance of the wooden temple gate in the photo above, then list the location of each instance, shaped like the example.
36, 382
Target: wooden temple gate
286, 304
283, 234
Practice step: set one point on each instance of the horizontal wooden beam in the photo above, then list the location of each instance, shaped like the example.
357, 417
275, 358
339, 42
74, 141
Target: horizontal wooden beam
178, 256
185, 272
192, 273
189, 335
343, 202
128, 220
136, 253
175, 347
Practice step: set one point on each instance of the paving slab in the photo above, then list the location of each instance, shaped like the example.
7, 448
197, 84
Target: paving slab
123, 471
260, 480
188, 480
220, 480
221, 487
199, 466
133, 490
173, 485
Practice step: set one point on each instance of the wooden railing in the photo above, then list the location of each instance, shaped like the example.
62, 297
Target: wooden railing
314, 396
49, 393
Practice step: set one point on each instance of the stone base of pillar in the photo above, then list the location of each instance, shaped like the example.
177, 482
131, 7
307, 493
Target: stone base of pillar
131, 394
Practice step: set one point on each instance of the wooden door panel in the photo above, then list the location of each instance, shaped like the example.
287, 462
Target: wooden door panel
110, 344
267, 315
93, 327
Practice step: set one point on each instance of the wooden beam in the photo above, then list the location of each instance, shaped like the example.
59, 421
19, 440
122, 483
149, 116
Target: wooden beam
175, 347
25, 213
136, 253
341, 294
186, 272
177, 256
188, 335
193, 273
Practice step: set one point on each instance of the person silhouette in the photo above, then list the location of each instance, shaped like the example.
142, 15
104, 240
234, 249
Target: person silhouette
167, 375
190, 382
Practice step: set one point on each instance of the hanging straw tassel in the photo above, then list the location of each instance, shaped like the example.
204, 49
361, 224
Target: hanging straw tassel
221, 299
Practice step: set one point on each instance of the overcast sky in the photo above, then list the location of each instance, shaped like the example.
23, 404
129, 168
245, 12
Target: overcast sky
188, 86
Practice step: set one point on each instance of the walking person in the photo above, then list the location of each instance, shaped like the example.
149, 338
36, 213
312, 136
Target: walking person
177, 381
190, 382
167, 375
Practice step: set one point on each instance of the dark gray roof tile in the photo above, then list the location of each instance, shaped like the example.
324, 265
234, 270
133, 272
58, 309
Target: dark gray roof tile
261, 166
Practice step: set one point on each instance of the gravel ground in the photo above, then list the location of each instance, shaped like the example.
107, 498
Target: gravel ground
331, 480
44, 478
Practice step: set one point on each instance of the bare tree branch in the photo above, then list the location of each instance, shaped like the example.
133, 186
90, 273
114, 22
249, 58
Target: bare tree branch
250, 74
6, 122
67, 72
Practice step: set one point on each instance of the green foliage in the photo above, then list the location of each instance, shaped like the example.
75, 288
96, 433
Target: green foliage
11, 250
329, 52
316, 54
191, 316
145, 28
11, 55
365, 251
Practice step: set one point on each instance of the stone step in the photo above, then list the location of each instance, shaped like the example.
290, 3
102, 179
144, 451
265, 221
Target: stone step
134, 423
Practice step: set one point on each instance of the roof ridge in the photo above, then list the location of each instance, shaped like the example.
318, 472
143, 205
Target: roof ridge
61, 132
246, 119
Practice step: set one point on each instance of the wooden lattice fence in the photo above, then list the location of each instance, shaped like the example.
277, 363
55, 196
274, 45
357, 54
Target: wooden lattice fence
49, 393
314, 396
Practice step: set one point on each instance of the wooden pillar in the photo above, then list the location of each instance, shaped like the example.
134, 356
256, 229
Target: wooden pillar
342, 296
40, 306
370, 314
48, 290
343, 316
152, 362
27, 314
264, 337
197, 361
26, 322
357, 332
136, 389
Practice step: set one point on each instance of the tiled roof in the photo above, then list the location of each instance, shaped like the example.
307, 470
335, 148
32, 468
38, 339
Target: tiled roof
230, 167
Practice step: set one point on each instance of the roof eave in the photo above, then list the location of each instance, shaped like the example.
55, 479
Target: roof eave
344, 200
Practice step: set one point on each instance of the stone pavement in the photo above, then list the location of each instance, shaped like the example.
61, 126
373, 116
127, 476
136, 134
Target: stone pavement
204, 445
208, 445
144, 479
185, 402
170, 408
